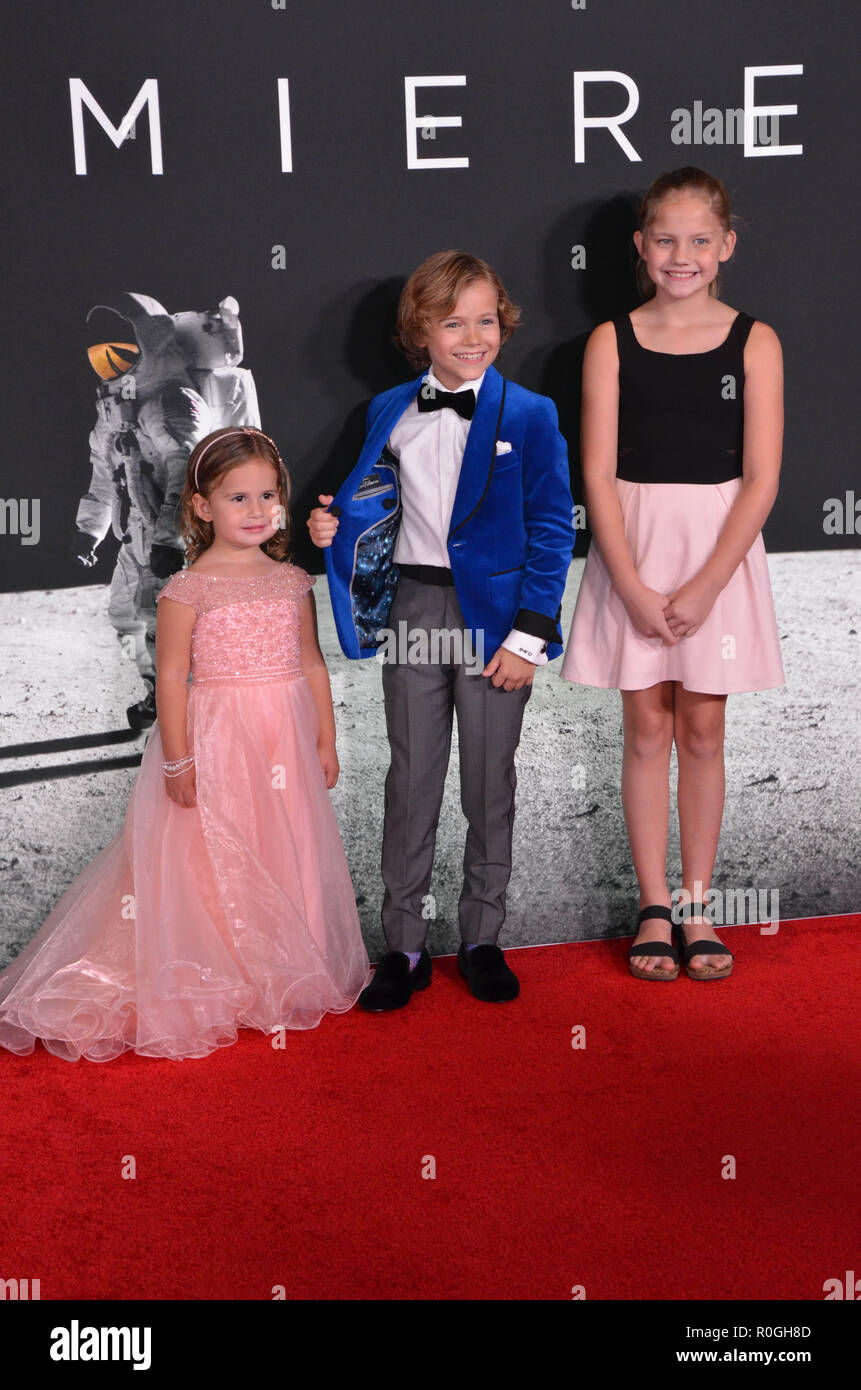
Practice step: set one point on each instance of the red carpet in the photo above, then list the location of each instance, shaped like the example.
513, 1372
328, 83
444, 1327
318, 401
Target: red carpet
555, 1167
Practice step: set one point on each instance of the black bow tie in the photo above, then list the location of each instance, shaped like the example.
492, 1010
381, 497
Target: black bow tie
432, 398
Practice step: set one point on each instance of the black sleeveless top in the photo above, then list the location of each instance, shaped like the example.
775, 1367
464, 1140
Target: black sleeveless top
681, 416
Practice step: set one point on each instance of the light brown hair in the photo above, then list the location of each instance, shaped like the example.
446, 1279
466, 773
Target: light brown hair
688, 180
212, 458
432, 292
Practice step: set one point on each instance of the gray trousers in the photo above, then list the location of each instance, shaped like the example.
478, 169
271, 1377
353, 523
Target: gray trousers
420, 699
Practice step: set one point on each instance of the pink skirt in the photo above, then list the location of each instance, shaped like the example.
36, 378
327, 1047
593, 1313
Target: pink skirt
194, 922
671, 530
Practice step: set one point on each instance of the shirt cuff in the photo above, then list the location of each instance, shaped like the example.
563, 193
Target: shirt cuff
523, 644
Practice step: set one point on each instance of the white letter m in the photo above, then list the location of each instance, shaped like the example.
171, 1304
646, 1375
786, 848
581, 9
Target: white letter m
80, 96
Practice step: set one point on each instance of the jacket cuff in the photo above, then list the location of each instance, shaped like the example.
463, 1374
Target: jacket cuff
538, 624
523, 644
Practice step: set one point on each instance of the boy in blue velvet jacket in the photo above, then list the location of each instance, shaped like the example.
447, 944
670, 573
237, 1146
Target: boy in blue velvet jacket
450, 542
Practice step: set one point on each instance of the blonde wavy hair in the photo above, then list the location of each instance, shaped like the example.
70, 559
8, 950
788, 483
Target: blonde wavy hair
432, 292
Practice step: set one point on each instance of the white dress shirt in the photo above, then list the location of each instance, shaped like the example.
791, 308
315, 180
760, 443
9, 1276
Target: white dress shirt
429, 446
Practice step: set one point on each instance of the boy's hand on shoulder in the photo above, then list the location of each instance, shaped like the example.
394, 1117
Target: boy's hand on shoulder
322, 524
509, 670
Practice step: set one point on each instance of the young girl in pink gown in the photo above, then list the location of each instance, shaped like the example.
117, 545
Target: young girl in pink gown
225, 900
682, 427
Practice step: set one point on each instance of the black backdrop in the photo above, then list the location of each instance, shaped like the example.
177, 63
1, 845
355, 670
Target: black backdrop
354, 219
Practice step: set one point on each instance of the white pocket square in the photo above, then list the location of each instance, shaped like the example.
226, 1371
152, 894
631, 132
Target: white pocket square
502, 446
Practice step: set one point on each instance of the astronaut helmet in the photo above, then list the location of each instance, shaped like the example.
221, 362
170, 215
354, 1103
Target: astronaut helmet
113, 358
213, 337
150, 355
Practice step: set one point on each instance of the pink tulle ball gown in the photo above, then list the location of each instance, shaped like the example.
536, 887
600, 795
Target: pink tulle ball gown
238, 912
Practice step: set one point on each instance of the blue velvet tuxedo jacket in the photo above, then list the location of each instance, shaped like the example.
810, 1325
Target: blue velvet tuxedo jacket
510, 538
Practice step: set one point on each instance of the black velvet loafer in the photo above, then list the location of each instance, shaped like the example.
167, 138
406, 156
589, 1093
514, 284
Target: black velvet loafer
394, 983
487, 974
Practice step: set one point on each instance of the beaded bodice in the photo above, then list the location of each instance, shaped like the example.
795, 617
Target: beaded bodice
247, 628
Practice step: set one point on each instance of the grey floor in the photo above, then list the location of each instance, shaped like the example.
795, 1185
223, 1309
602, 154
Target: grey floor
793, 799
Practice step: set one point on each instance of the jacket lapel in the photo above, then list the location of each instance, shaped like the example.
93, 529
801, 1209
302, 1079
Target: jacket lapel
478, 456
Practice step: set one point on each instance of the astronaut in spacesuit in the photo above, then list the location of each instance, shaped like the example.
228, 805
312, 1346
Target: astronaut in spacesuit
158, 396
213, 343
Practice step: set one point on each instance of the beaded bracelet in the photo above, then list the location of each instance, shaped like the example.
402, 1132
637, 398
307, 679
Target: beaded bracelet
181, 765
177, 762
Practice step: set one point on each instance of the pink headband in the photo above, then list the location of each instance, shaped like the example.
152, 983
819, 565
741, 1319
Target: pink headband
245, 429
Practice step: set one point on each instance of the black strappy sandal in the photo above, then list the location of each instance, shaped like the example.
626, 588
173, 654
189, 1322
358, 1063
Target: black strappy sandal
703, 948
653, 948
